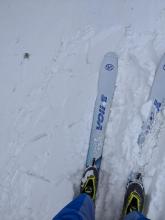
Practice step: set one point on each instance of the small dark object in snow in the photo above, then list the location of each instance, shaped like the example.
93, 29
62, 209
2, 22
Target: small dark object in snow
26, 56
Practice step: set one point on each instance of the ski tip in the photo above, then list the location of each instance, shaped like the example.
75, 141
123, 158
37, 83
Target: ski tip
163, 56
161, 63
111, 54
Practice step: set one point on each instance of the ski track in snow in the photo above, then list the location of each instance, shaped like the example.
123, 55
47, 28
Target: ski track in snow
47, 103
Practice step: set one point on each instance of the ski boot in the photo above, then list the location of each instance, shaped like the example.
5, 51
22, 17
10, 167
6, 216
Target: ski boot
134, 196
89, 182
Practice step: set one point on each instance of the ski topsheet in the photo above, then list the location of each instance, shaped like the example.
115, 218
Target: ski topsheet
106, 87
157, 96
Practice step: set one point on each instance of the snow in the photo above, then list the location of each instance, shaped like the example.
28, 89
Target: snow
47, 102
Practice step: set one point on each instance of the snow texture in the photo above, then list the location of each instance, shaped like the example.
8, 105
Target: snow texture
51, 53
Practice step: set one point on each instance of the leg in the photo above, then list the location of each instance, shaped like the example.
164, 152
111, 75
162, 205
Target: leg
135, 216
81, 208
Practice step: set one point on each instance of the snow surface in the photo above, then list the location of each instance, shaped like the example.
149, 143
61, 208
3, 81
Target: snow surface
47, 102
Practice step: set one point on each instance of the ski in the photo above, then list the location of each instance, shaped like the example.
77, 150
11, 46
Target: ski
106, 87
157, 98
135, 194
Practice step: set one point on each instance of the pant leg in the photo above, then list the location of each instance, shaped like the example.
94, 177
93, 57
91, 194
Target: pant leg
81, 208
135, 216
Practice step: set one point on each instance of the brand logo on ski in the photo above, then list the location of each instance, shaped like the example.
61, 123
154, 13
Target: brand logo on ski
157, 105
100, 117
164, 67
109, 67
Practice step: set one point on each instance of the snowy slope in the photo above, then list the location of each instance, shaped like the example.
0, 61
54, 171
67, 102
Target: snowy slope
47, 102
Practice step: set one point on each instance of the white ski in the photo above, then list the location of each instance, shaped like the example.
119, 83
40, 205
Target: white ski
106, 87
157, 96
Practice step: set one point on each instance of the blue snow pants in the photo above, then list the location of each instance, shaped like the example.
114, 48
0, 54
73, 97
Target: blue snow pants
82, 208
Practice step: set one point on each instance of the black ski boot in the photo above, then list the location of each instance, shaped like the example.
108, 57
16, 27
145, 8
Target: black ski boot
134, 196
